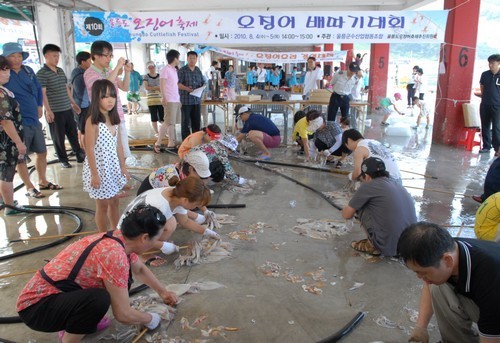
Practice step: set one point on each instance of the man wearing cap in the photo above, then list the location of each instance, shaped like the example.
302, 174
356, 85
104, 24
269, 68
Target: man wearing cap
28, 92
365, 148
59, 106
260, 130
190, 78
384, 208
327, 136
313, 77
343, 82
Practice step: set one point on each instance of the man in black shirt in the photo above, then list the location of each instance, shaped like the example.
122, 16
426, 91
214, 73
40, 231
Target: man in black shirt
490, 105
461, 282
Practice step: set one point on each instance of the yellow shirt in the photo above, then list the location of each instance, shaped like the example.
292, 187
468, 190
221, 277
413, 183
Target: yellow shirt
488, 218
300, 129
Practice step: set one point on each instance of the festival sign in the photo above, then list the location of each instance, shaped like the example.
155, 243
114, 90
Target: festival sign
262, 28
280, 57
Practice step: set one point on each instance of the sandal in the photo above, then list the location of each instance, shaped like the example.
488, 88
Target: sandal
264, 158
50, 186
35, 193
155, 261
13, 211
365, 246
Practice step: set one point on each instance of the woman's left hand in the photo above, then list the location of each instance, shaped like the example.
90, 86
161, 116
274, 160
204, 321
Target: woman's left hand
126, 174
169, 298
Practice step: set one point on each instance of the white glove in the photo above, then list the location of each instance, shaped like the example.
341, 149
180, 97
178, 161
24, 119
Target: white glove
200, 219
211, 219
349, 176
419, 334
242, 181
211, 234
169, 248
326, 152
155, 321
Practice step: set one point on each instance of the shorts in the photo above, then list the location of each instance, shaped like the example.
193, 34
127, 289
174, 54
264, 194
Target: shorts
157, 113
34, 139
385, 110
133, 97
7, 172
172, 113
271, 141
82, 119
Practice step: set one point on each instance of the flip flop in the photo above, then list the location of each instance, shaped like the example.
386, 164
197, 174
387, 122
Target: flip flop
50, 186
365, 246
155, 261
264, 158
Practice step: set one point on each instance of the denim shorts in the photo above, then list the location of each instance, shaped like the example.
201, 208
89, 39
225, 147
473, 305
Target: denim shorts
34, 138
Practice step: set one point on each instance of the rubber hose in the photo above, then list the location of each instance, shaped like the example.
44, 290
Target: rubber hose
226, 205
337, 336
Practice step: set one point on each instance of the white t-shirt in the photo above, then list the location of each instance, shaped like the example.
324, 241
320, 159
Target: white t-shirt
261, 75
154, 198
310, 80
377, 149
356, 89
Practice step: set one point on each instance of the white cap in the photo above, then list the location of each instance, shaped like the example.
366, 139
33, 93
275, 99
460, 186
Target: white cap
150, 63
243, 109
199, 161
315, 124
229, 142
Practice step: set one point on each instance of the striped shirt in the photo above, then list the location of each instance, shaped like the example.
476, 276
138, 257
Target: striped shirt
154, 97
55, 84
193, 79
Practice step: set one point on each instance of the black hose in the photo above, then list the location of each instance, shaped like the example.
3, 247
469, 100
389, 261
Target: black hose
226, 205
337, 336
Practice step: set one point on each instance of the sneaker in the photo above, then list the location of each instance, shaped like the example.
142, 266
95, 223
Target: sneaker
484, 151
13, 211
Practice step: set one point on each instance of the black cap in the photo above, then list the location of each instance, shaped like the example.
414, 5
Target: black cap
372, 165
354, 67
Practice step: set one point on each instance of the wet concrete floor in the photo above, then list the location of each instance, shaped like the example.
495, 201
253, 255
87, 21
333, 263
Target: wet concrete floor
267, 309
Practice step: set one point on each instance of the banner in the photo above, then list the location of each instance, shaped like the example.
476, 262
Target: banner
262, 28
280, 57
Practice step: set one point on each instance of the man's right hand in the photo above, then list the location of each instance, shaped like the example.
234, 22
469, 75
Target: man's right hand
49, 116
419, 334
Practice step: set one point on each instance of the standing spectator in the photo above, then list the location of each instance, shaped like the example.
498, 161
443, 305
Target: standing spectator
11, 138
490, 105
133, 95
80, 93
423, 112
343, 82
213, 77
230, 78
58, 102
293, 79
410, 87
28, 93
152, 85
274, 78
169, 80
261, 76
384, 207
420, 84
313, 77
260, 130
491, 182
250, 78
282, 76
102, 53
190, 78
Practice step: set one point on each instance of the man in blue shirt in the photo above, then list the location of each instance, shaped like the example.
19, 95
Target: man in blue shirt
28, 92
79, 90
490, 105
260, 130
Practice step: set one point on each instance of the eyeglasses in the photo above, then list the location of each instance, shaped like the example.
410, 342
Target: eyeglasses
107, 55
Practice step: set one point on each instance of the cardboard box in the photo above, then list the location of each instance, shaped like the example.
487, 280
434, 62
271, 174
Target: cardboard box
249, 98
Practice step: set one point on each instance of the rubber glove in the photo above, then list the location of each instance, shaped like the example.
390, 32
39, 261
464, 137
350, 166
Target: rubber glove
169, 248
211, 234
211, 219
155, 321
419, 334
242, 181
200, 219
326, 152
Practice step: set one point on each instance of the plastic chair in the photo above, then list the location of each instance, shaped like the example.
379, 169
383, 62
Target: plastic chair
469, 138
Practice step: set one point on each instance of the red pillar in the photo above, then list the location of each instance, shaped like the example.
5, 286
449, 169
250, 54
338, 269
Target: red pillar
348, 58
379, 71
328, 47
459, 54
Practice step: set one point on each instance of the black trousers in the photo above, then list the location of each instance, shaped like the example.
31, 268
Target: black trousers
64, 126
490, 117
338, 101
191, 120
411, 93
145, 186
76, 312
320, 145
260, 85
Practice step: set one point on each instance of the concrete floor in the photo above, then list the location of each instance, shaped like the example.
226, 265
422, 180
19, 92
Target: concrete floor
269, 309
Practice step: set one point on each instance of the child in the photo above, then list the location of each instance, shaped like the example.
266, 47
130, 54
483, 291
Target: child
424, 112
385, 105
104, 173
